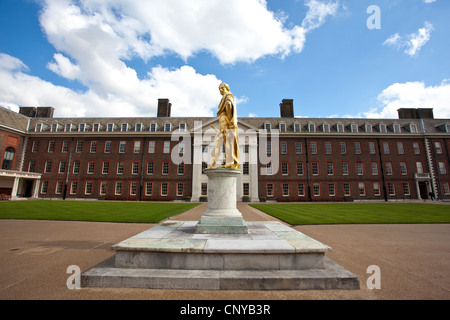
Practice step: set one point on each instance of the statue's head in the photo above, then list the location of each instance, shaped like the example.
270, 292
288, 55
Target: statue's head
224, 86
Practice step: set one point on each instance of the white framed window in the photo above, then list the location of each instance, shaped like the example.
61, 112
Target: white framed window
167, 127
282, 127
124, 127
340, 127
151, 147
326, 128
153, 127
354, 127
166, 147
138, 127
297, 127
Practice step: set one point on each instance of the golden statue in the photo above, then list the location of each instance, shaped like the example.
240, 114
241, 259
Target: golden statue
228, 131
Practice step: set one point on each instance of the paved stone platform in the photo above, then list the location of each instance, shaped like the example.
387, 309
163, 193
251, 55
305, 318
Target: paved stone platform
272, 256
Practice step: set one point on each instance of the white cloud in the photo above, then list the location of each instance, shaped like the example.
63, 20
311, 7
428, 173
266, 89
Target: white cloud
413, 95
412, 43
429, 1
95, 39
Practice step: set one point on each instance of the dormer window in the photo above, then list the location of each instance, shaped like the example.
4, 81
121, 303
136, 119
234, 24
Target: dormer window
354, 128
38, 127
326, 128
312, 127
383, 128
282, 127
54, 127
138, 127
96, 127
267, 127
297, 127
68, 127
167, 127
182, 127
340, 127
110, 127
82, 127
153, 127
396, 128
368, 128
124, 127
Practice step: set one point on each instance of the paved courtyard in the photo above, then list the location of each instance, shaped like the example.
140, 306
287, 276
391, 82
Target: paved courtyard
414, 259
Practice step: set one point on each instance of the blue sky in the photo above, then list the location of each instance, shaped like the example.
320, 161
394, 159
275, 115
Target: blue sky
100, 58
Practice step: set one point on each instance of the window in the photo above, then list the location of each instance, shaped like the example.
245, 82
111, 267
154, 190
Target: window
96, 127
269, 171
151, 147
182, 127
133, 188
416, 148
413, 128
298, 147
285, 189
406, 190
328, 147
150, 168
340, 127
51, 146
65, 146
102, 188
386, 148
396, 128
331, 189
446, 188
118, 189
79, 147
419, 167
269, 189
389, 168
330, 168
164, 188
269, 147
315, 168
283, 147
372, 147
48, 166
383, 128
343, 147
391, 188
138, 127
246, 148
246, 189
76, 167
359, 168
181, 148
88, 188
180, 187
167, 127
44, 187
204, 189
153, 127
301, 189
438, 147
137, 147
35, 147
354, 128
107, 146
82, 127
148, 188
62, 167
110, 127
68, 127
297, 127
8, 158
181, 169
312, 127
31, 166
316, 189
345, 168
357, 148
135, 168
313, 147
245, 168
442, 169
267, 127
282, 127
124, 127
284, 168
368, 128
93, 148
347, 189
166, 147
400, 148
120, 167
73, 187
91, 166
376, 189
403, 169
59, 187
326, 128
374, 168
54, 127
165, 168
362, 189
38, 127
299, 168
122, 146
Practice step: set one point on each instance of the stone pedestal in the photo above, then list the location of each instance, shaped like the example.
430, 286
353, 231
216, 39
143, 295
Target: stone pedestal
222, 216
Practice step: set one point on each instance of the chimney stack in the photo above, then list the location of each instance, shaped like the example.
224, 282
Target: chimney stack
164, 107
287, 108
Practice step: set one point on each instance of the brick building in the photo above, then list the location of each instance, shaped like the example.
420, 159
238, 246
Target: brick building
282, 159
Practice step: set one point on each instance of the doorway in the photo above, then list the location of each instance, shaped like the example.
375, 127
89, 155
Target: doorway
423, 190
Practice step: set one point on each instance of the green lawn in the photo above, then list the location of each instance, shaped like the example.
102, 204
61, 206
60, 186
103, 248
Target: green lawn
104, 211
357, 213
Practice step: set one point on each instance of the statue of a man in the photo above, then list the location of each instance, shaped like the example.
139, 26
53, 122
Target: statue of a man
228, 131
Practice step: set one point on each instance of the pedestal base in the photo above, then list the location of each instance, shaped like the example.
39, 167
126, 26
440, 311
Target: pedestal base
271, 256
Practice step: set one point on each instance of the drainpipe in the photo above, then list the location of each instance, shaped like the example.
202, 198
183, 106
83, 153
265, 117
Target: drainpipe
382, 170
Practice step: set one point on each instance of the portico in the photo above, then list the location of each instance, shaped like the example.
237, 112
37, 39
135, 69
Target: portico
19, 184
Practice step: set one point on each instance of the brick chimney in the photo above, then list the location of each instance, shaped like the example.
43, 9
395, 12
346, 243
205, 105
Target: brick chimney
287, 108
164, 107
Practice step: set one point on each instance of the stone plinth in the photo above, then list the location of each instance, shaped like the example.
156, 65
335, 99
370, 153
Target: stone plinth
271, 256
222, 216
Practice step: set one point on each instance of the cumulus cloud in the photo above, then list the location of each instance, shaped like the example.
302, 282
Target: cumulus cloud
95, 39
413, 95
412, 43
